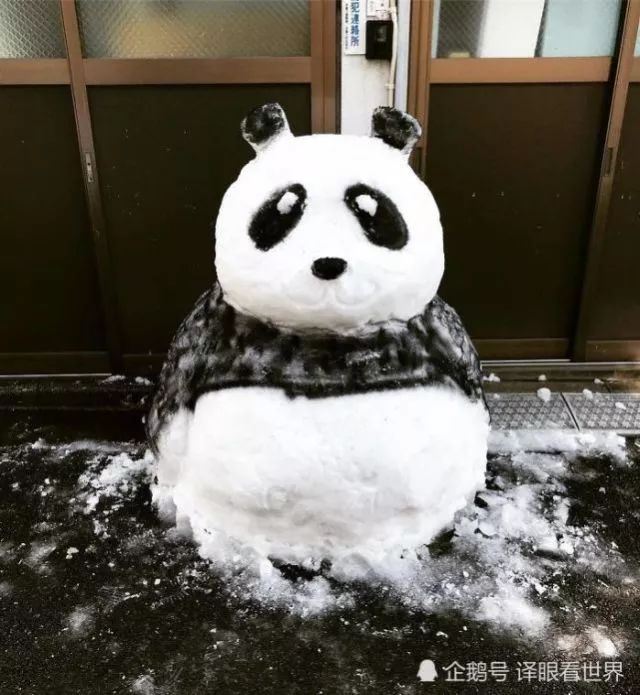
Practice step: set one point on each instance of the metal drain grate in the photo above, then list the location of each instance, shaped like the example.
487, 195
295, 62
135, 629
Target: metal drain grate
525, 411
606, 411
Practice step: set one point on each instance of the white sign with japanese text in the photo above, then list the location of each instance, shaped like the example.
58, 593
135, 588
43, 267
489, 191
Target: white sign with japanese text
353, 27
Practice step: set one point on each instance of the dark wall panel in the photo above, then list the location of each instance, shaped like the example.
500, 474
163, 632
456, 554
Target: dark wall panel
513, 169
616, 312
48, 283
166, 155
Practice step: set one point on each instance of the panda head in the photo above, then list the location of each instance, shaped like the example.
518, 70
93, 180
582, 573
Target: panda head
329, 232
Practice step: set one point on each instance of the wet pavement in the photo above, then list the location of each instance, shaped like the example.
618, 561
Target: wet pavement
97, 595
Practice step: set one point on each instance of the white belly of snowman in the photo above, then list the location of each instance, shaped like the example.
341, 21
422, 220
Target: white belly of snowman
299, 477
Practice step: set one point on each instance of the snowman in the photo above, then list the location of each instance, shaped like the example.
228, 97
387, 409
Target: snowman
320, 399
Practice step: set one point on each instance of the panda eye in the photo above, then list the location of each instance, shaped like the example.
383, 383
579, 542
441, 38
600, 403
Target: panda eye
378, 216
277, 216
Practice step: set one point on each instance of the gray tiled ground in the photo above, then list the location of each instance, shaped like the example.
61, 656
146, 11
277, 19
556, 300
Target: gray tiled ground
606, 411
517, 411
600, 411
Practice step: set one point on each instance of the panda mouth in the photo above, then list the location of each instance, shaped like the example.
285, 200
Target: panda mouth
350, 296
340, 293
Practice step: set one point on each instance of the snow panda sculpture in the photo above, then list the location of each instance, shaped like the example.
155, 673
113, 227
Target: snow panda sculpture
320, 398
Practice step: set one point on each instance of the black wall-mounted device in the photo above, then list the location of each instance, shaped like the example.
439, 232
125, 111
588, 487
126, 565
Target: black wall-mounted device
379, 39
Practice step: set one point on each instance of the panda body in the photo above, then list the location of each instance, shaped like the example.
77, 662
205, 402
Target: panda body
299, 477
321, 399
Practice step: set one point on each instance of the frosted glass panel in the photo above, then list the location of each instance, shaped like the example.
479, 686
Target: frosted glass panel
456, 30
580, 28
30, 29
524, 28
194, 28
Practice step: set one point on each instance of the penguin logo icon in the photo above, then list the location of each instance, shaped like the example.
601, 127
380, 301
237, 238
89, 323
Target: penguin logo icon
427, 671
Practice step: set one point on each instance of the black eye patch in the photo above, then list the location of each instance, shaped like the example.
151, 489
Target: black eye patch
278, 216
378, 216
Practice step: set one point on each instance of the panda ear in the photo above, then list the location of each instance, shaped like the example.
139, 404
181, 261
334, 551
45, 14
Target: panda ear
264, 125
396, 128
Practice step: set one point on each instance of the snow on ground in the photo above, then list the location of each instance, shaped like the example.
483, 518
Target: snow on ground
144, 685
5, 589
38, 554
492, 378
558, 441
92, 445
531, 568
114, 479
121, 378
114, 378
544, 394
503, 561
80, 621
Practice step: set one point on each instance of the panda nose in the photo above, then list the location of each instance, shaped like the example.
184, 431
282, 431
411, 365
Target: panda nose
328, 268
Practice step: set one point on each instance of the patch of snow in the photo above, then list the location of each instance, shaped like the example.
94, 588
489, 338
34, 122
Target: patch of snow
71, 552
492, 377
558, 441
80, 621
587, 394
100, 447
487, 529
5, 589
597, 381
511, 610
38, 554
566, 547
115, 479
144, 685
544, 394
567, 643
7, 551
542, 377
143, 381
603, 644
590, 639
620, 406
114, 378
